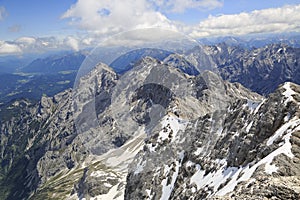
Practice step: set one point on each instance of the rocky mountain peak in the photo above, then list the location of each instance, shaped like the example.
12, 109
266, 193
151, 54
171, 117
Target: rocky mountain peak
181, 62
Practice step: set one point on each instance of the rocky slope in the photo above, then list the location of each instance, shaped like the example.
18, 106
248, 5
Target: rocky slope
247, 150
152, 133
30, 132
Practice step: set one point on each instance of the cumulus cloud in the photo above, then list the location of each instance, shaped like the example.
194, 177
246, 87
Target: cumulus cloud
103, 18
179, 6
7, 48
87, 41
26, 40
40, 45
114, 16
36, 45
272, 20
107, 17
3, 13
72, 42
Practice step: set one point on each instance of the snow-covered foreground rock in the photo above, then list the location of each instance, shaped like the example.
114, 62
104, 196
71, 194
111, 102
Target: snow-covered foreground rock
246, 150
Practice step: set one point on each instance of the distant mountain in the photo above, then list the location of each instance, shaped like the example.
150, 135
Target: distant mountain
10, 64
55, 63
229, 40
255, 40
126, 61
292, 40
261, 70
48, 75
181, 62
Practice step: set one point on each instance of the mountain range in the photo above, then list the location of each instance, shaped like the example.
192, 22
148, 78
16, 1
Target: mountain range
218, 122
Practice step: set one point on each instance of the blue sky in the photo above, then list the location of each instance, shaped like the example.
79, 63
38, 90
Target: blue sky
33, 18
79, 22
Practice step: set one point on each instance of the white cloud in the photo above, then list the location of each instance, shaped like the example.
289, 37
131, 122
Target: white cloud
87, 41
26, 40
7, 48
40, 45
37, 45
46, 44
272, 20
3, 13
102, 19
150, 37
114, 16
179, 6
72, 42
108, 17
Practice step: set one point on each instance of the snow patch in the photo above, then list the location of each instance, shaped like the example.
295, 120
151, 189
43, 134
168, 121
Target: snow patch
167, 189
253, 105
139, 168
258, 107
286, 127
149, 194
198, 151
220, 161
288, 92
213, 179
279, 50
234, 175
248, 171
193, 189
219, 131
249, 126
189, 163
171, 125
287, 117
269, 169
151, 147
107, 184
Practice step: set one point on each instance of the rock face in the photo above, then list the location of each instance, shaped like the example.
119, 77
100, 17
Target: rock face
247, 150
153, 133
27, 137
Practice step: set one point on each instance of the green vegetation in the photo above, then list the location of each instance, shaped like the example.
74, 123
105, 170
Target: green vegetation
24, 74
67, 72
59, 186
22, 81
63, 82
28, 85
